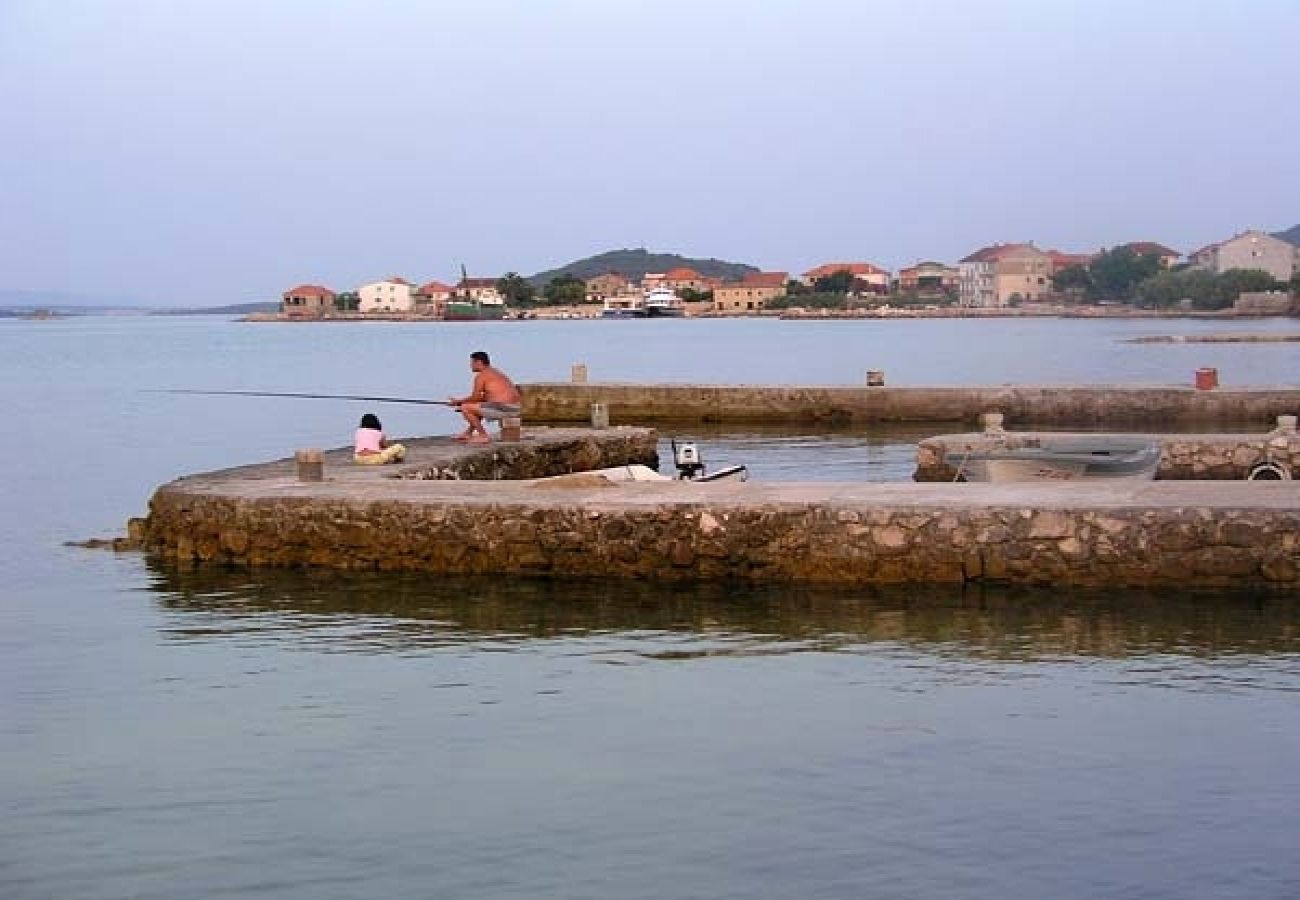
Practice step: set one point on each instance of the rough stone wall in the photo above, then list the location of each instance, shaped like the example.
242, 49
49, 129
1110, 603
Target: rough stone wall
1191, 457
517, 461
808, 542
1112, 406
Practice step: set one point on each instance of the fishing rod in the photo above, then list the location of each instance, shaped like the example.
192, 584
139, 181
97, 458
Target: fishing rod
298, 396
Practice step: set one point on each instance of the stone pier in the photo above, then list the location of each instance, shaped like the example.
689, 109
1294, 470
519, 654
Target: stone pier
1106, 406
436, 520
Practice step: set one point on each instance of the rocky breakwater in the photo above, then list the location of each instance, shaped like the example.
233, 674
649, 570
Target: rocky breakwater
1152, 533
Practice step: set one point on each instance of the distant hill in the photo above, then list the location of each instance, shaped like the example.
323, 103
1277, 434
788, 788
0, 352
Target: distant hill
233, 309
1291, 234
636, 263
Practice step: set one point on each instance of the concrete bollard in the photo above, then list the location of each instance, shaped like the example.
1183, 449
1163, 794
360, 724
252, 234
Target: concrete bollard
310, 464
875, 378
1286, 425
578, 373
512, 429
599, 415
992, 422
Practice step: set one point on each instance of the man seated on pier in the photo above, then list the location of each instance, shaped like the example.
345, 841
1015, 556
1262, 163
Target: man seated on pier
493, 396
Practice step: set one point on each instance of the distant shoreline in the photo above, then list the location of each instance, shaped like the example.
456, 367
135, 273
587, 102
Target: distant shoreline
589, 313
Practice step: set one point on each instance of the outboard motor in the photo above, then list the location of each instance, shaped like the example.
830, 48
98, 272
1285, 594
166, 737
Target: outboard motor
690, 465
687, 459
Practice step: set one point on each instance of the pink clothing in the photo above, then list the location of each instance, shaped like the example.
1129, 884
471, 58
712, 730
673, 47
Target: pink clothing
369, 440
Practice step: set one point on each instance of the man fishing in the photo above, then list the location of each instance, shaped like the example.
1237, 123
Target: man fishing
492, 396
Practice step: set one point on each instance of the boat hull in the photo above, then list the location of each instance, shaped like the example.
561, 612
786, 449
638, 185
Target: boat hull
472, 312
1102, 461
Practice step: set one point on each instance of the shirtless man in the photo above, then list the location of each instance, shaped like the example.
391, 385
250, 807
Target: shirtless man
493, 396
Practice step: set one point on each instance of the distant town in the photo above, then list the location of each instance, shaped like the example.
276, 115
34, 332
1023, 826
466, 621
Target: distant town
1252, 272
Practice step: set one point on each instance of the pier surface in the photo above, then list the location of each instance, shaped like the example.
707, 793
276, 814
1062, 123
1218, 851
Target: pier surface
1121, 406
1107, 534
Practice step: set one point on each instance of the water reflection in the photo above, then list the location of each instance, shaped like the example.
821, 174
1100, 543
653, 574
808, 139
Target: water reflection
402, 613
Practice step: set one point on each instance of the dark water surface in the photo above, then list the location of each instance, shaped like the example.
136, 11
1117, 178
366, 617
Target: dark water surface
208, 733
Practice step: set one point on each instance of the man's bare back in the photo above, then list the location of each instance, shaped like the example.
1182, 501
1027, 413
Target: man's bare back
494, 386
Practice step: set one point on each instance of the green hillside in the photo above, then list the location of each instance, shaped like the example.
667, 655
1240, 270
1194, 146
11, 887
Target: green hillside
1291, 234
637, 262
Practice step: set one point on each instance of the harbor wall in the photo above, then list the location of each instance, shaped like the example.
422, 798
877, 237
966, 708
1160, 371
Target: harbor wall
1120, 406
1158, 533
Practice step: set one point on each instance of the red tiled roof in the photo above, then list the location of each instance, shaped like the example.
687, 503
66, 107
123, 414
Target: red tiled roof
433, 287
309, 290
397, 280
853, 268
995, 252
1150, 248
764, 280
682, 274
1064, 260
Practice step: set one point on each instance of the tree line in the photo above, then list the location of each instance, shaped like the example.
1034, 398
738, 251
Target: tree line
1122, 275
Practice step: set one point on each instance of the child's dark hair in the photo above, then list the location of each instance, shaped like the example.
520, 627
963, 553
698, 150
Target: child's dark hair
370, 420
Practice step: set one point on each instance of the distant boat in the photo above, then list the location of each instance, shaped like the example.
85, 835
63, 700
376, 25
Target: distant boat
662, 303
629, 307
468, 309
1070, 458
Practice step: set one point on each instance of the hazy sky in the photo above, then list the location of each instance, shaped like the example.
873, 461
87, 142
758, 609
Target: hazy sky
184, 151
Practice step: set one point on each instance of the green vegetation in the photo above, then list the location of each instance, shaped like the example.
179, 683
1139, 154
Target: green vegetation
635, 263
515, 289
566, 290
348, 301
840, 282
1113, 275
1202, 289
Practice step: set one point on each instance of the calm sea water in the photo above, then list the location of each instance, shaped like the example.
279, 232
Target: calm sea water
312, 735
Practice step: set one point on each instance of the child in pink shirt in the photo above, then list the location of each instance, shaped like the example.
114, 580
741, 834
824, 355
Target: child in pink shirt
371, 448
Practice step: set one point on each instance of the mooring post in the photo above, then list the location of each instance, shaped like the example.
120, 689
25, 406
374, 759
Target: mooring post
310, 464
512, 429
599, 415
578, 373
992, 422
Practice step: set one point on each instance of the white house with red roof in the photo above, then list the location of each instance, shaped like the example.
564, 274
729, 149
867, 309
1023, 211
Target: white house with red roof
390, 295
431, 297
866, 276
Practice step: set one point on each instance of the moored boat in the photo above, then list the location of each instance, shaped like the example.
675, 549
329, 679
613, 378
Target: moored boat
1069, 458
624, 307
662, 303
465, 309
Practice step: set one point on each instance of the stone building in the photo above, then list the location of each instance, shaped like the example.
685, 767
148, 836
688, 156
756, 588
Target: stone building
751, 294
307, 301
996, 276
390, 295
1249, 250
610, 284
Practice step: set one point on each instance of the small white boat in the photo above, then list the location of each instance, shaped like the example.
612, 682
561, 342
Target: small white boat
1071, 458
662, 303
